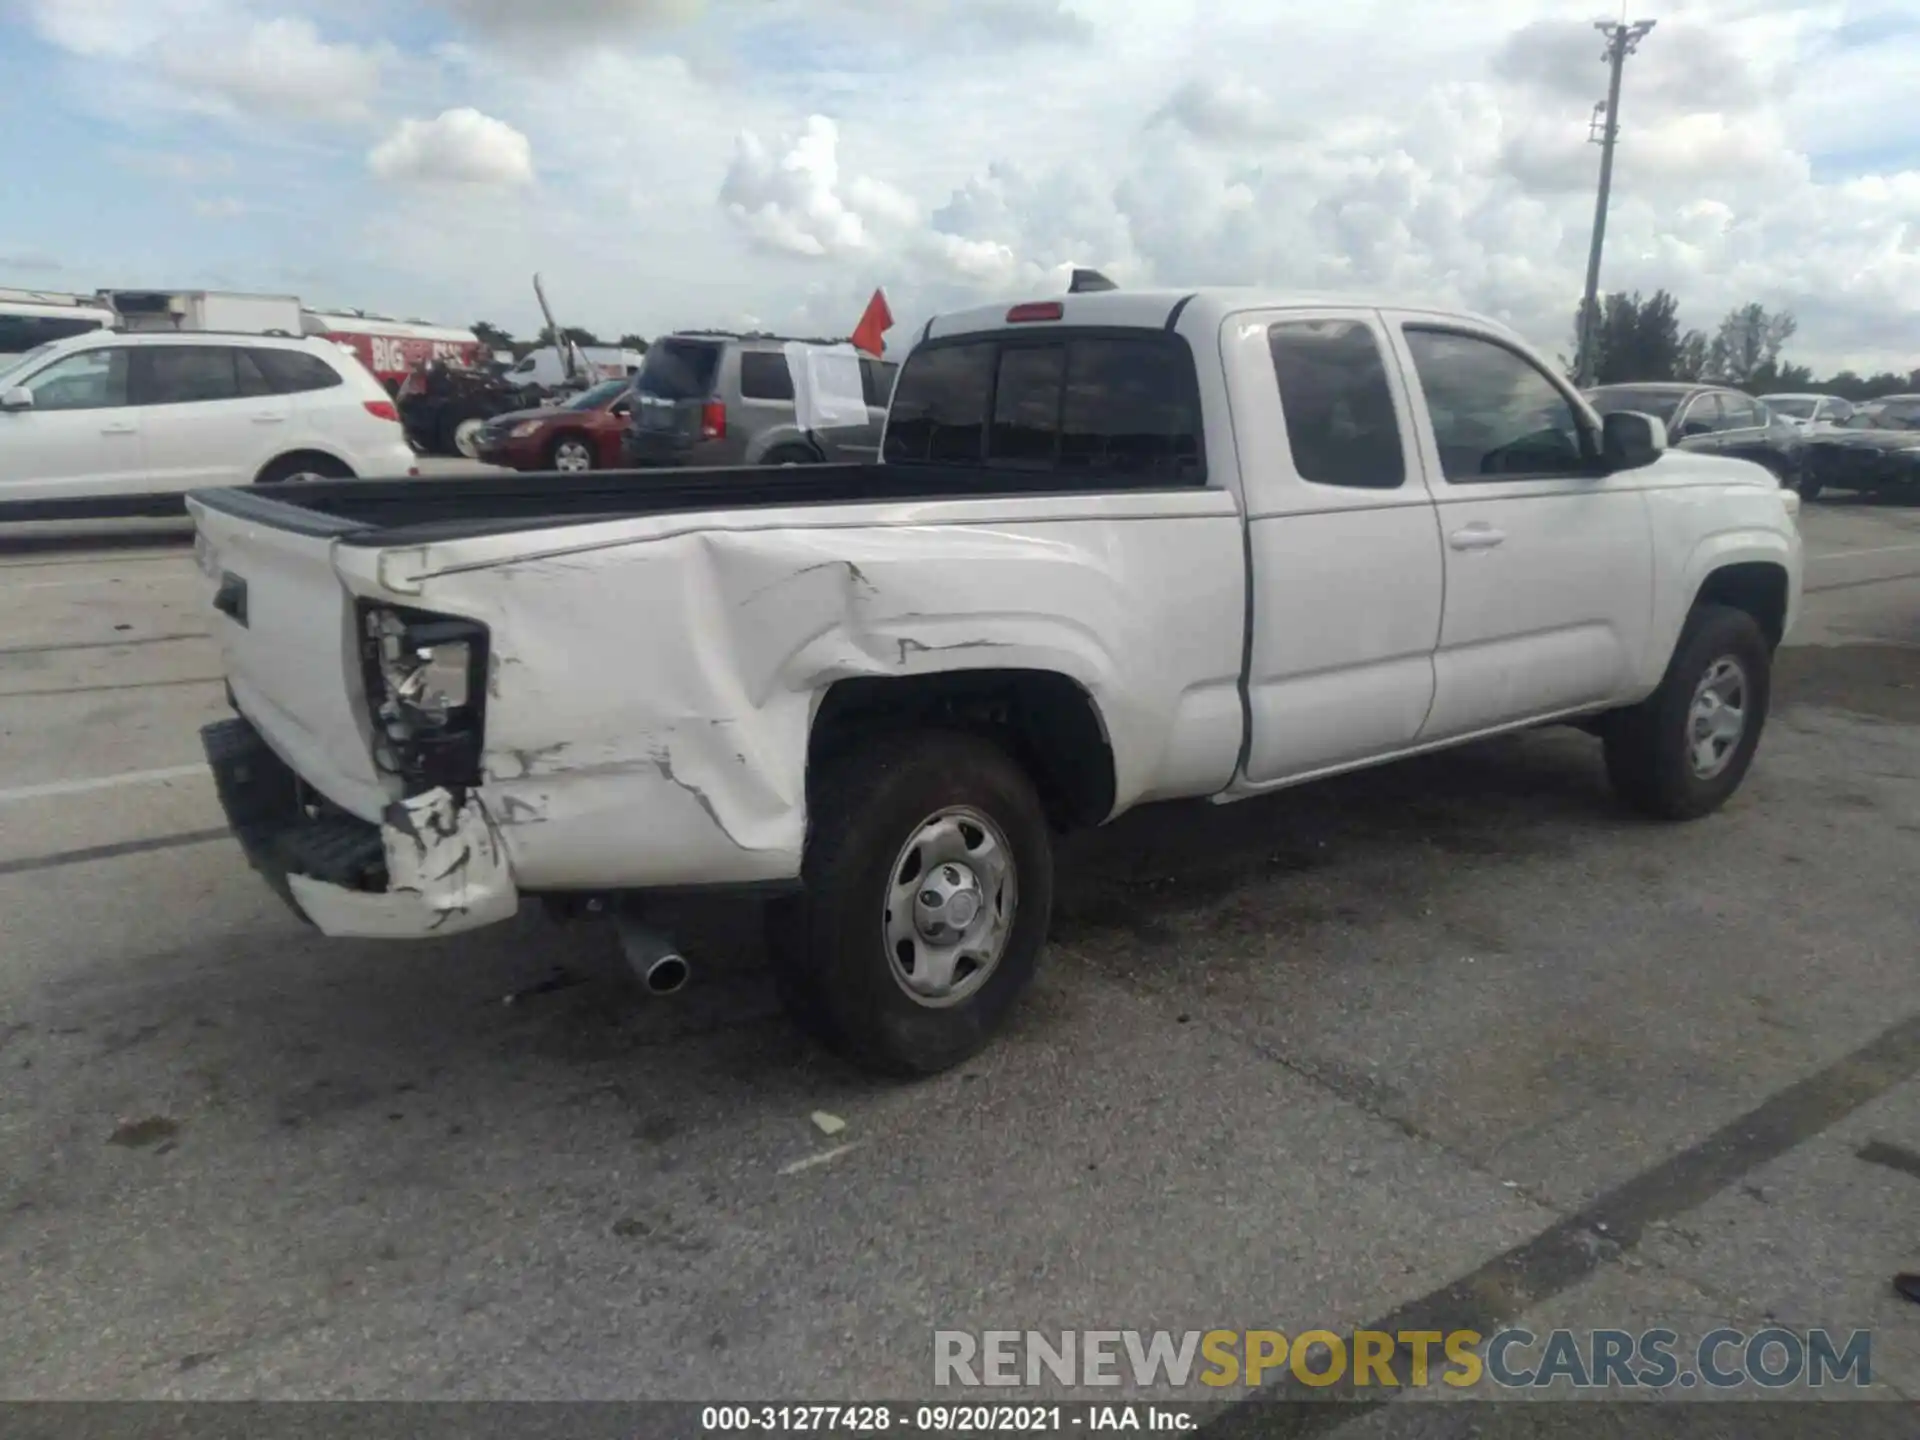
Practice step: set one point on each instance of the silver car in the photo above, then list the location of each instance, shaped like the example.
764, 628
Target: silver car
705, 398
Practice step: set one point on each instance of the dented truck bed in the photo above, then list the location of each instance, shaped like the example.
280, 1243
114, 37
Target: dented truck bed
451, 695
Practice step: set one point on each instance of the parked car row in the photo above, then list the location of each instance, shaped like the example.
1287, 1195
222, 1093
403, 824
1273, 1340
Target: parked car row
1811, 442
1714, 420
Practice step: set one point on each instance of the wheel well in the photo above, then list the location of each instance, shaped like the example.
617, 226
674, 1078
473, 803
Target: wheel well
1758, 587
1044, 720
318, 460
799, 450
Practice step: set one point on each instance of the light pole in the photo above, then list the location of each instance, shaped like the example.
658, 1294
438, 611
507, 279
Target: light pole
1622, 40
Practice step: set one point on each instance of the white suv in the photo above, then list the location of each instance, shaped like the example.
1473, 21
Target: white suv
108, 423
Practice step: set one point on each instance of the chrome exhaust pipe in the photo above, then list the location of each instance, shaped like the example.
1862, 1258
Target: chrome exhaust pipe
652, 955
666, 975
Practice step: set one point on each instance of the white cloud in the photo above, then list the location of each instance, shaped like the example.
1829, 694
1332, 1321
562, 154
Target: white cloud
794, 202
222, 207
217, 57
278, 67
1223, 108
456, 147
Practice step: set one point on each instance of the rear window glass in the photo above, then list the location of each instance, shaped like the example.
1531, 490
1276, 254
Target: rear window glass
940, 405
1131, 406
1026, 406
679, 370
1122, 405
764, 375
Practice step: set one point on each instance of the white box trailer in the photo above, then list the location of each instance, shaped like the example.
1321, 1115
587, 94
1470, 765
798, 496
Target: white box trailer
206, 310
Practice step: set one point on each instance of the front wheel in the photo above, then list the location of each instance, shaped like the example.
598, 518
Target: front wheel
571, 454
1683, 751
928, 889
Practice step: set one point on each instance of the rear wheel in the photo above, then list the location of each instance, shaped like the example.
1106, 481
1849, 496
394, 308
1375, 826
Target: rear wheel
790, 455
290, 468
929, 883
1684, 750
571, 453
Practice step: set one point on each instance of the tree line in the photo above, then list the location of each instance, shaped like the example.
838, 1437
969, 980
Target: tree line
1641, 340
495, 338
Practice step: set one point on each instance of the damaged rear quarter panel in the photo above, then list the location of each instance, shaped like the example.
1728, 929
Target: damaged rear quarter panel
651, 693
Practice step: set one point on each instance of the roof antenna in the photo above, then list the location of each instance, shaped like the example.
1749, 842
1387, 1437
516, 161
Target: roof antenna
1085, 281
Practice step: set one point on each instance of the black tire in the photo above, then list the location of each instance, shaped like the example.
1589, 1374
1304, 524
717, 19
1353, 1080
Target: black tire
828, 945
1648, 746
1810, 485
288, 467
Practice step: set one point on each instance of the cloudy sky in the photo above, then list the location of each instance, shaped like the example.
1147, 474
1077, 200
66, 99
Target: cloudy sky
673, 162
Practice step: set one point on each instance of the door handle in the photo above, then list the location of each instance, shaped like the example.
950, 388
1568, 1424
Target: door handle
1477, 536
119, 429
269, 419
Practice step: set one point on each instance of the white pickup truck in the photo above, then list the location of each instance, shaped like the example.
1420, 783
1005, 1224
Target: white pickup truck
1123, 547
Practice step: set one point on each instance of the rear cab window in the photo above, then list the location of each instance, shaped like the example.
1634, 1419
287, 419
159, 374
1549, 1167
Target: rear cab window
1121, 404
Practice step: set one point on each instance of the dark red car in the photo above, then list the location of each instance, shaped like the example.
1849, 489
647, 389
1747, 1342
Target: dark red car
578, 434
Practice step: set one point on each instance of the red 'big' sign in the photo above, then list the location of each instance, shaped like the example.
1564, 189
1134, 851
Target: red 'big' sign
394, 356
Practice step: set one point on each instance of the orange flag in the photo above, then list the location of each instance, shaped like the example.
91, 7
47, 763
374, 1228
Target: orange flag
870, 334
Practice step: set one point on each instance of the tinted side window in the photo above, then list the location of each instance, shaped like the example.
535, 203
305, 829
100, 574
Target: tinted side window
179, 374
940, 404
1494, 413
290, 372
764, 375
1339, 408
250, 378
876, 379
1131, 406
91, 380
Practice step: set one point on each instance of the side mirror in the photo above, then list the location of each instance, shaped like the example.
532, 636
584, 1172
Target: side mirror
1629, 440
17, 398
623, 407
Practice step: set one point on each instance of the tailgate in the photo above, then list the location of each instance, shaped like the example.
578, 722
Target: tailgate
287, 631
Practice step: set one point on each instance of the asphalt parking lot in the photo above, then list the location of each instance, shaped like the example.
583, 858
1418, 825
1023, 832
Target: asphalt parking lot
1458, 1034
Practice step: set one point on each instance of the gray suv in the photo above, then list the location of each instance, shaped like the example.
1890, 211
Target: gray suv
710, 398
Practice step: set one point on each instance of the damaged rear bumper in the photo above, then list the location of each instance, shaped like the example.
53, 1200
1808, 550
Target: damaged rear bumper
435, 866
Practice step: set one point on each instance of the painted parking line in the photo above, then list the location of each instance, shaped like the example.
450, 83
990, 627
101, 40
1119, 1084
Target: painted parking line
100, 782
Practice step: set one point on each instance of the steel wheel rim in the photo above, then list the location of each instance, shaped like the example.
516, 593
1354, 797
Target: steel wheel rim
1717, 719
466, 438
571, 455
949, 907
